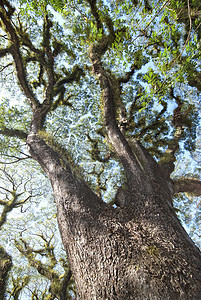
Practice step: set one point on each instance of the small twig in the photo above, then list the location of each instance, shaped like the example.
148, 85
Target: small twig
187, 40
4, 67
154, 17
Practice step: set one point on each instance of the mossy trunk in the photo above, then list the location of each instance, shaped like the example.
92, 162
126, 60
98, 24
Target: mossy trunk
139, 251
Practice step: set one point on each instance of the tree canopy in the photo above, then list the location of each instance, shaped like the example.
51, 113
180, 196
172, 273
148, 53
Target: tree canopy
58, 62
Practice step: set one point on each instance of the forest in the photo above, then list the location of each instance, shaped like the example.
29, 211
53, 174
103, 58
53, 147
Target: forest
100, 150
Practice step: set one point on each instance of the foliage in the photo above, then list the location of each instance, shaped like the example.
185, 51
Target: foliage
152, 53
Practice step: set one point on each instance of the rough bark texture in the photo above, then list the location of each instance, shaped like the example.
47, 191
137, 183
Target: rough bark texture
188, 185
139, 251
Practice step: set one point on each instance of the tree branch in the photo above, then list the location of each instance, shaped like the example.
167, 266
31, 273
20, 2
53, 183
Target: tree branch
50, 59
188, 185
4, 67
18, 286
15, 51
127, 77
168, 159
15, 158
133, 158
8, 207
27, 251
4, 52
65, 283
58, 285
95, 13
14, 133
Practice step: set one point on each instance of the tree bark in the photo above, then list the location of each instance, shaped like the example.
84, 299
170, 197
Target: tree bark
5, 266
188, 185
139, 251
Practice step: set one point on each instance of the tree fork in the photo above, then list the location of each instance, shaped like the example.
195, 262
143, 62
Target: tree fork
139, 251
120, 253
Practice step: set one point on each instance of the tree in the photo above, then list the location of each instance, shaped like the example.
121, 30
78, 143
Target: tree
133, 247
10, 202
47, 264
59, 285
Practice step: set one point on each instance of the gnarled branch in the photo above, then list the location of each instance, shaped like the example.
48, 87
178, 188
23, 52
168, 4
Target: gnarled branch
133, 165
15, 51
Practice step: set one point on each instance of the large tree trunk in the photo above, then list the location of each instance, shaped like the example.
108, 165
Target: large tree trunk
136, 251
139, 251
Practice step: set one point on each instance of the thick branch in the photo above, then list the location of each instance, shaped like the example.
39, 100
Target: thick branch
188, 185
50, 59
95, 13
127, 77
60, 168
168, 159
64, 284
138, 164
14, 133
134, 162
3, 217
4, 52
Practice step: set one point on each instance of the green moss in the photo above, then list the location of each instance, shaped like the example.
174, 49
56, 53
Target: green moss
66, 158
152, 251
